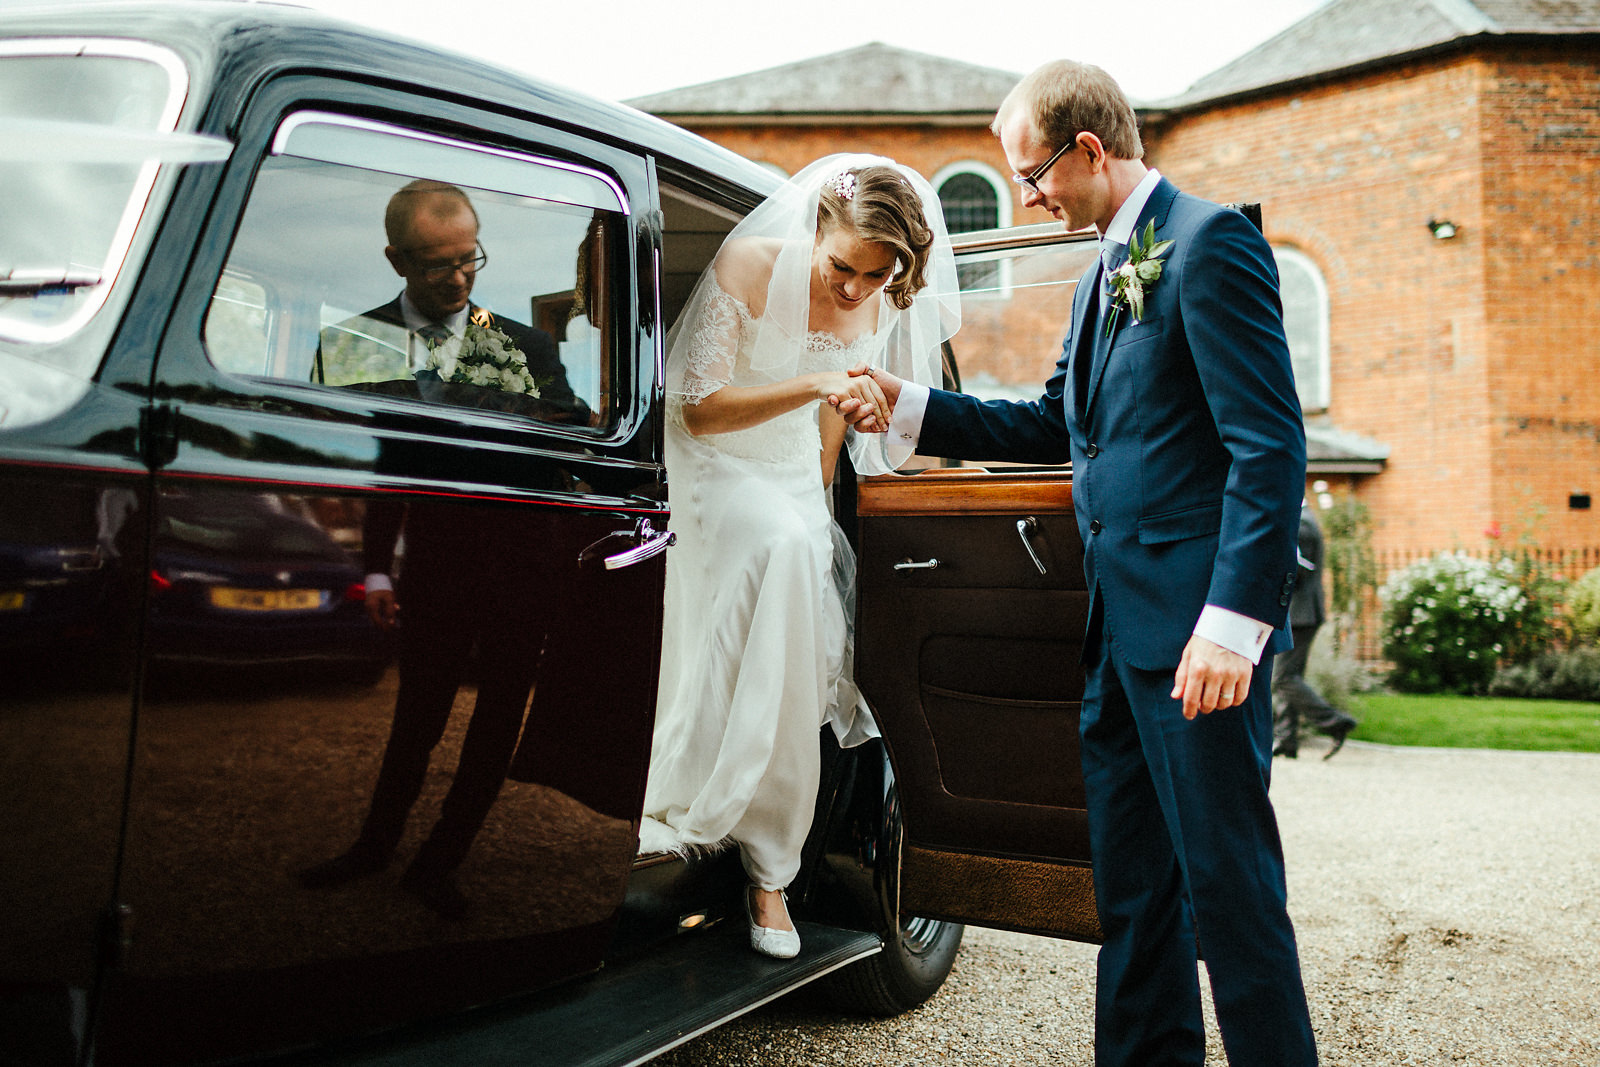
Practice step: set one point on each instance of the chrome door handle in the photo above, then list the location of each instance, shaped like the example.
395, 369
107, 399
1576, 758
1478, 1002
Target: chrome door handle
909, 565
648, 543
1026, 528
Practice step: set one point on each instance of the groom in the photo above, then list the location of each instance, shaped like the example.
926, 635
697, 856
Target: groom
1188, 459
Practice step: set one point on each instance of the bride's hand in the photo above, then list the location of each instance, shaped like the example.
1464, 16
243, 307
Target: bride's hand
835, 388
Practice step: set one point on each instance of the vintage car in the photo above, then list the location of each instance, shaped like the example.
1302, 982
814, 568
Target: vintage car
191, 232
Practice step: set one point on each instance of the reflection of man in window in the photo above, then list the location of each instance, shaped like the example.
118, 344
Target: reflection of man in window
432, 230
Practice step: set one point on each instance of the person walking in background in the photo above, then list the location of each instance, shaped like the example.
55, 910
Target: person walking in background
1295, 700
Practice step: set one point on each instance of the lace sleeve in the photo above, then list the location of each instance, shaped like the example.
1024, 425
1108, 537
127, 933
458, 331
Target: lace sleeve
713, 344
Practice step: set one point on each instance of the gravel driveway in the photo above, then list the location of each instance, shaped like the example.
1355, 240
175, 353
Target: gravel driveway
1445, 905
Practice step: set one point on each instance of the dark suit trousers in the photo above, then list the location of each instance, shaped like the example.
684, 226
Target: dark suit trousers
440, 625
1185, 844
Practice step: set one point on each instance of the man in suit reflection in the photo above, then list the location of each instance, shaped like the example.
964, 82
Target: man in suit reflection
432, 230
474, 585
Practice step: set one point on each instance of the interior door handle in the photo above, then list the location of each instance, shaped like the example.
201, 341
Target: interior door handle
1026, 528
911, 565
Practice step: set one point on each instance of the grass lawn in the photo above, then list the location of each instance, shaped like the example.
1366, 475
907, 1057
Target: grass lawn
1477, 722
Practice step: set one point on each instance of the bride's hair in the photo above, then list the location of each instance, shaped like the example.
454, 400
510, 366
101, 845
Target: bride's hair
882, 207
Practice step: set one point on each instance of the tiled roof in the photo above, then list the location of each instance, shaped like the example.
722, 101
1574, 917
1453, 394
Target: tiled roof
1348, 33
871, 79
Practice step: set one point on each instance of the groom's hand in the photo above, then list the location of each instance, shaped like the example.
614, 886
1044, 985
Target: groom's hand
867, 420
1210, 678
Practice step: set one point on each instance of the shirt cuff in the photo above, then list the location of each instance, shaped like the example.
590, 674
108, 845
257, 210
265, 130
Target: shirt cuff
1234, 632
905, 425
377, 583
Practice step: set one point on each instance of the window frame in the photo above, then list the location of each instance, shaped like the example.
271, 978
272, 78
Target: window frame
1004, 208
1288, 257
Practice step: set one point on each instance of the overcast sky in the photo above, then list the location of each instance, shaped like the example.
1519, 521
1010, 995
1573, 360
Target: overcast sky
625, 48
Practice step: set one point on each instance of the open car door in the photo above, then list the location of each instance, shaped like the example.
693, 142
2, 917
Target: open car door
972, 607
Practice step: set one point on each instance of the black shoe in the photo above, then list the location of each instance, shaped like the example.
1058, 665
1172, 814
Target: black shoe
1286, 748
437, 891
359, 862
1338, 730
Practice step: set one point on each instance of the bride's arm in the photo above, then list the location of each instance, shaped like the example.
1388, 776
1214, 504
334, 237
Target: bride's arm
735, 407
833, 426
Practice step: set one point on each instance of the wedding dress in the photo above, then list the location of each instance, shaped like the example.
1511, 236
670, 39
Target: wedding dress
756, 648
756, 652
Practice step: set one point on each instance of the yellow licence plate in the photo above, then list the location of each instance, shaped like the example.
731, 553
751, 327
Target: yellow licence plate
13, 600
232, 599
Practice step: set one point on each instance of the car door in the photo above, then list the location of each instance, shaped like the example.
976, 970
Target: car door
301, 450
972, 607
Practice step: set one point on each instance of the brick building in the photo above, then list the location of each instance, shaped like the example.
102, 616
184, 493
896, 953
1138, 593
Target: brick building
1429, 172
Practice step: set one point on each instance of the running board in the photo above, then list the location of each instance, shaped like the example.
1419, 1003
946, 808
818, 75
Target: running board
625, 1013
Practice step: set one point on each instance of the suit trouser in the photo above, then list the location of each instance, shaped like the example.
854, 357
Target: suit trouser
1295, 701
1186, 850
433, 661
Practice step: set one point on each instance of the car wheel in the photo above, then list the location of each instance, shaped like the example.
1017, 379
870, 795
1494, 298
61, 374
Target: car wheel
909, 970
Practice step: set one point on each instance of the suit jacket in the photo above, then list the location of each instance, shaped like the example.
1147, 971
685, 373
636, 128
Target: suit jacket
1189, 456
372, 348
1307, 609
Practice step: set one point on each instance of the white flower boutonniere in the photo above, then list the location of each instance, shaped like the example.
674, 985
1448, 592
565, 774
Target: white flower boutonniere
1130, 282
483, 356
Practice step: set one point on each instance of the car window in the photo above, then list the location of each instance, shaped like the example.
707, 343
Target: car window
1016, 301
86, 126
360, 238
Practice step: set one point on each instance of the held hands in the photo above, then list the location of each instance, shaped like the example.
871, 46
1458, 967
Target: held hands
1210, 677
857, 389
865, 417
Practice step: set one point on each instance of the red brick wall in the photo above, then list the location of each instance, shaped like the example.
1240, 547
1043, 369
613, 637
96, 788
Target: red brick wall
1475, 359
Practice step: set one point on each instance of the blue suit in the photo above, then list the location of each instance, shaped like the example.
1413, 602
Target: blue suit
1188, 457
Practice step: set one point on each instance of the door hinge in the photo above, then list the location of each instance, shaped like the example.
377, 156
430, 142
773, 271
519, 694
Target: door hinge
158, 435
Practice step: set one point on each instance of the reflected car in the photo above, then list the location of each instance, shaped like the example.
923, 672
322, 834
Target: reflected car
242, 581
194, 213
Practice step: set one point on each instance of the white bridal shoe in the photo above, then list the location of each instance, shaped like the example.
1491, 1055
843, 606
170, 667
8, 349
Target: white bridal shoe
779, 944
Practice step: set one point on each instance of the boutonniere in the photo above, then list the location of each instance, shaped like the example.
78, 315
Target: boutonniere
1130, 282
483, 356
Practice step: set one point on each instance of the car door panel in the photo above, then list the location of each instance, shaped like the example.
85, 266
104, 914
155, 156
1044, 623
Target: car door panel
272, 698
972, 667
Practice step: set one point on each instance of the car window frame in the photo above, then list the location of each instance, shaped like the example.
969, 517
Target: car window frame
183, 371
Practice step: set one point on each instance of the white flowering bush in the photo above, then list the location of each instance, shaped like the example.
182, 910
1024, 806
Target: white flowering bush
1449, 620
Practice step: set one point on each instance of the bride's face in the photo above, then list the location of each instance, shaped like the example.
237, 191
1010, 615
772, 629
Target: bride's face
849, 270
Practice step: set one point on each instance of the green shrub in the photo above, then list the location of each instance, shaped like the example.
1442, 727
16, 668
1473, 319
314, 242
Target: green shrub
1583, 609
1570, 675
1448, 621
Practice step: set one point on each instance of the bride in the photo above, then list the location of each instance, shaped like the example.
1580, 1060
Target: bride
848, 263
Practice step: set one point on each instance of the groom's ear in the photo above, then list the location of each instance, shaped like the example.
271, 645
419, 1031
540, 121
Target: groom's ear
1090, 143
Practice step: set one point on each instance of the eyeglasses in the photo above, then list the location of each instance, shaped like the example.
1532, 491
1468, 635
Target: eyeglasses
441, 271
1032, 180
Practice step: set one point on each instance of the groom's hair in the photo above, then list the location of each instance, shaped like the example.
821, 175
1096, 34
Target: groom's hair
1064, 98
883, 207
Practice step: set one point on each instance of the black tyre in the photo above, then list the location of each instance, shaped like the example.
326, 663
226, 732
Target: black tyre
908, 971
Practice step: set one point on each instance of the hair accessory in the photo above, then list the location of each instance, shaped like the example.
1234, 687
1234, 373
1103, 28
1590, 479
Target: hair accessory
845, 185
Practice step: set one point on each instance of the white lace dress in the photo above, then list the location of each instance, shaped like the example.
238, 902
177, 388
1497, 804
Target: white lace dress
756, 649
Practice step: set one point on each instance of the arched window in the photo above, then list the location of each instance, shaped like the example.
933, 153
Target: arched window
974, 197
969, 203
1305, 320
